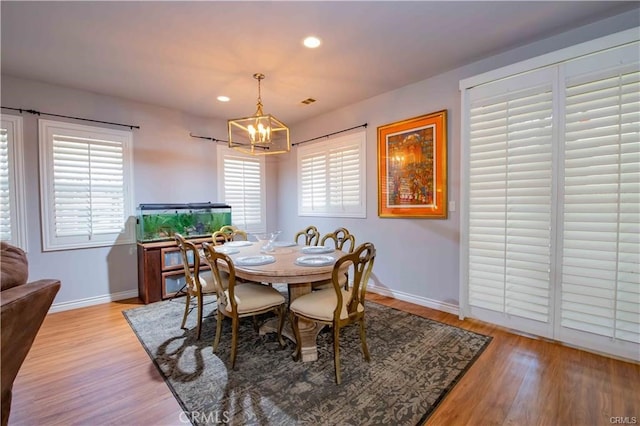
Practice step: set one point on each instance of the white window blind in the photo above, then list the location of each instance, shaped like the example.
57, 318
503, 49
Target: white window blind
600, 258
6, 233
551, 232
242, 187
510, 200
331, 177
12, 208
86, 182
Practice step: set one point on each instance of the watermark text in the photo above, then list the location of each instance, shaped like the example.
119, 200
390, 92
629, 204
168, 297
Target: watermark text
209, 417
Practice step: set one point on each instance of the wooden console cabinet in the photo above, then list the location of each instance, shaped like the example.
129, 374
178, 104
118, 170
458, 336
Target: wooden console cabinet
160, 269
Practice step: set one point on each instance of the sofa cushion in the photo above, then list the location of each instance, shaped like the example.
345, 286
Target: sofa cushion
14, 266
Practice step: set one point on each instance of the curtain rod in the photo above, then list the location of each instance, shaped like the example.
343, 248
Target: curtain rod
293, 144
330, 134
207, 138
34, 112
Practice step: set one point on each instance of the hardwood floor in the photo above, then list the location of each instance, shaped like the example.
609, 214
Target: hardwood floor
86, 367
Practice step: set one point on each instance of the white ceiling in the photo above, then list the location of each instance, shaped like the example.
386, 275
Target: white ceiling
184, 54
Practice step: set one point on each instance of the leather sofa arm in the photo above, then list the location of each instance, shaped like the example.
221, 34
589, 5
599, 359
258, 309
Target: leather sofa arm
23, 309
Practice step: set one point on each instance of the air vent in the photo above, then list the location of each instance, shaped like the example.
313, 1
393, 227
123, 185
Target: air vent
308, 101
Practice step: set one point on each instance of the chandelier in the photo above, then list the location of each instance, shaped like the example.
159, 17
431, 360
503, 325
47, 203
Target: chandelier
260, 134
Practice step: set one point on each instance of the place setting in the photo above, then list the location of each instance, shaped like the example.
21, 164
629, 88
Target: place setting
315, 260
256, 260
317, 249
238, 244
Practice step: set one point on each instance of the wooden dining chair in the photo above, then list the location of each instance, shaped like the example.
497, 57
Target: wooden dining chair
239, 300
197, 283
338, 306
341, 237
342, 240
229, 233
310, 234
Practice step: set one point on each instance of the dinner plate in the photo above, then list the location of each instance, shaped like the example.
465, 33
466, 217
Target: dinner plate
284, 244
316, 249
238, 243
226, 250
254, 260
315, 260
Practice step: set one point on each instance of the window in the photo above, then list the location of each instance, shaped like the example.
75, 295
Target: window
12, 201
241, 185
550, 232
331, 177
86, 186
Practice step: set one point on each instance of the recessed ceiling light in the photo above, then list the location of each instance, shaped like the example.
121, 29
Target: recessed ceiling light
312, 42
223, 98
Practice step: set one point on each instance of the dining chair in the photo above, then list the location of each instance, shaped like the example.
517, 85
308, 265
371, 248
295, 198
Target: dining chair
197, 283
338, 306
342, 240
341, 237
310, 234
229, 233
241, 299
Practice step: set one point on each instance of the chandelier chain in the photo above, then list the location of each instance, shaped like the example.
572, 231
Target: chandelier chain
259, 77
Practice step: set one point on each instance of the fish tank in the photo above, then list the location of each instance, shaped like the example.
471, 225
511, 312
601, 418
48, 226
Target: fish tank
159, 222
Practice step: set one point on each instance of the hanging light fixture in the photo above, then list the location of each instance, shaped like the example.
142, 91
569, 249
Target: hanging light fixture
260, 134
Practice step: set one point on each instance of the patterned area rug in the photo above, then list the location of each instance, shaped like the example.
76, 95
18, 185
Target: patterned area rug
415, 362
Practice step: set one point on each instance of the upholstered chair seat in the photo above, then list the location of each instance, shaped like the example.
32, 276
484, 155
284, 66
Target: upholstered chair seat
322, 304
206, 281
252, 296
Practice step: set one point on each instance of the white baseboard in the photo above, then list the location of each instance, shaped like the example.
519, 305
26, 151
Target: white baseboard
90, 301
407, 297
422, 301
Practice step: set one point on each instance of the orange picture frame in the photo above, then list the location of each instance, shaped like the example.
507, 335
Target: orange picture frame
412, 167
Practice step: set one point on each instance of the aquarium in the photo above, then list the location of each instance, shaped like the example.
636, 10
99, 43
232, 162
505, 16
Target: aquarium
159, 222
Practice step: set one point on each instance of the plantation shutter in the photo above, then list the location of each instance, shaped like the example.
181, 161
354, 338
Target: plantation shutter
13, 227
510, 195
313, 181
331, 177
601, 222
85, 182
344, 176
88, 187
5, 195
243, 189
553, 223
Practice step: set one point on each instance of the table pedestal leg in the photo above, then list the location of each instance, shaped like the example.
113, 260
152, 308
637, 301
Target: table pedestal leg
308, 329
308, 335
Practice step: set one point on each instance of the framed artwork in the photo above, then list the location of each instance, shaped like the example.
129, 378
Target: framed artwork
412, 167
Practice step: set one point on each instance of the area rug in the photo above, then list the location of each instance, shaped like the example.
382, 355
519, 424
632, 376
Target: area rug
415, 362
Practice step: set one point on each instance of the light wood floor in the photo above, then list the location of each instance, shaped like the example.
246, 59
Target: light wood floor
87, 367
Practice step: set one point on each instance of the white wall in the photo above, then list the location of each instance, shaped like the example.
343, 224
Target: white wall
169, 167
418, 259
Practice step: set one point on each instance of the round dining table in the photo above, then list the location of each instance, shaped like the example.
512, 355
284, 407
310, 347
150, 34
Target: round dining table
286, 267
